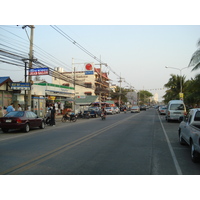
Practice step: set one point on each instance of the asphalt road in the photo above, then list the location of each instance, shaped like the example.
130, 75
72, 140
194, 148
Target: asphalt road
123, 144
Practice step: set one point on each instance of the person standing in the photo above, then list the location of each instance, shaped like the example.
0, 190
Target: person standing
10, 108
53, 114
19, 107
1, 112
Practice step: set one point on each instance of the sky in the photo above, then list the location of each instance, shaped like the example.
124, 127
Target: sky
137, 53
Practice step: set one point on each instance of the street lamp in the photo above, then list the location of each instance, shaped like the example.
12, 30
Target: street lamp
180, 76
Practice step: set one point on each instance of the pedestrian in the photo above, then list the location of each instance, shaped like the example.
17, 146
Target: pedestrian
53, 114
10, 108
1, 112
19, 107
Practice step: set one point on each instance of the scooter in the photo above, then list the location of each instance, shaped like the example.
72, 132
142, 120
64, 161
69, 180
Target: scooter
103, 117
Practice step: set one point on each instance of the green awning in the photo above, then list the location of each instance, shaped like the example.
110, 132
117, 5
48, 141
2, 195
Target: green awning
85, 100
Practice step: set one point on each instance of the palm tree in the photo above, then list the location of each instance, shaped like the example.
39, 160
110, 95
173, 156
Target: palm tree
195, 60
174, 87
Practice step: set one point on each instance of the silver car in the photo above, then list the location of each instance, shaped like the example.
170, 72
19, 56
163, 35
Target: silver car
110, 110
116, 110
135, 109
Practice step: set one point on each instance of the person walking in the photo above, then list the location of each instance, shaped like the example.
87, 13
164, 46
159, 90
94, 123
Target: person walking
10, 108
53, 114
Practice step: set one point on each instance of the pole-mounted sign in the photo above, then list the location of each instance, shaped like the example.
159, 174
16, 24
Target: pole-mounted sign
38, 71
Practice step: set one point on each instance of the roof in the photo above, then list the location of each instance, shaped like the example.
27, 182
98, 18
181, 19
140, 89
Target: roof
105, 75
4, 80
85, 100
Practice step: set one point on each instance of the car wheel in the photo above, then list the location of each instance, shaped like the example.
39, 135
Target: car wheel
27, 128
42, 125
181, 140
5, 130
194, 154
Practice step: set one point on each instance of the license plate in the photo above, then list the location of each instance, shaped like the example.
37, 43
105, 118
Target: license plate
8, 120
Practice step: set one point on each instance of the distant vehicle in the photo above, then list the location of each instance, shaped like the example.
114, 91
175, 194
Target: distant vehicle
24, 120
117, 110
143, 107
189, 132
135, 109
162, 110
93, 112
175, 109
110, 110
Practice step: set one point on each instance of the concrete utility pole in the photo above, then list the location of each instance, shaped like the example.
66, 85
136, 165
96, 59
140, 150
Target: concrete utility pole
120, 90
30, 59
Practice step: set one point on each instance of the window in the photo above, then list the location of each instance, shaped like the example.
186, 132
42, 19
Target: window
177, 107
88, 85
197, 116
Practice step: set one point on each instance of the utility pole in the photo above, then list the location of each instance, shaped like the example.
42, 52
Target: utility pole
120, 90
30, 59
74, 70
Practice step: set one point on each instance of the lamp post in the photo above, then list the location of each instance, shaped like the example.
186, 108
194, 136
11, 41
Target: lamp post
181, 85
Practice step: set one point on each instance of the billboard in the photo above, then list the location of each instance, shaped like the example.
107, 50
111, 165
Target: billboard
20, 86
39, 71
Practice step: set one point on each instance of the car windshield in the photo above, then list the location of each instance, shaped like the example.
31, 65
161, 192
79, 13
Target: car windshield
108, 107
15, 114
177, 107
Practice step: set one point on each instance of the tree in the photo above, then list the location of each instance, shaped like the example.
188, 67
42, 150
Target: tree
195, 60
115, 94
193, 92
144, 97
174, 87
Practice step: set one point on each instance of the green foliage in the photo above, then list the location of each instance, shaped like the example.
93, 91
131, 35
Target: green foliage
115, 94
144, 97
190, 88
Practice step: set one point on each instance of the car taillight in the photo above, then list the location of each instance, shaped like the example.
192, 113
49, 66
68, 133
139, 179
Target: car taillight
168, 113
19, 121
185, 113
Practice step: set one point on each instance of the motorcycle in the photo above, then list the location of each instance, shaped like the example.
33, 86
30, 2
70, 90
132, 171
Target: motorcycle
47, 118
72, 117
103, 116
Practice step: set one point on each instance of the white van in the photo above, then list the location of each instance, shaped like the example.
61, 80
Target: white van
175, 109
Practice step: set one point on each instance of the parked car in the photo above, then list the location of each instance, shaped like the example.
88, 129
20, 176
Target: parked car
110, 110
175, 109
93, 112
24, 120
143, 107
135, 109
117, 110
162, 110
189, 132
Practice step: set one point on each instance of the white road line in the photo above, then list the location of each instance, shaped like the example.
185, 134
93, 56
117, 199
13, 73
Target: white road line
178, 169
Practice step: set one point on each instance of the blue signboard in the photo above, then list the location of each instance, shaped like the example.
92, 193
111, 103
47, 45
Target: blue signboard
89, 72
39, 71
20, 86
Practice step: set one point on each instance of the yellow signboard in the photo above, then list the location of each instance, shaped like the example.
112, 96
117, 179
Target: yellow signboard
181, 95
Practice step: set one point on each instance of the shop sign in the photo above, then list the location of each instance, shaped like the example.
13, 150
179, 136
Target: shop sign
51, 97
89, 72
20, 86
39, 71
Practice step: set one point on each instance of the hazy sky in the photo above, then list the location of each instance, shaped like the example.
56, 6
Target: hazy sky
138, 52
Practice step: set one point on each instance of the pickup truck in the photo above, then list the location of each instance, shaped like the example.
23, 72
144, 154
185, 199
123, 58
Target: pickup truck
189, 132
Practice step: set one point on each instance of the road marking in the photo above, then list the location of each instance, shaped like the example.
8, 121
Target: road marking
178, 169
27, 165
